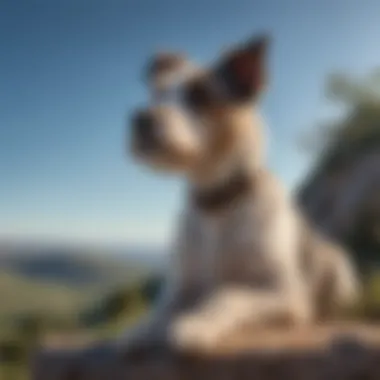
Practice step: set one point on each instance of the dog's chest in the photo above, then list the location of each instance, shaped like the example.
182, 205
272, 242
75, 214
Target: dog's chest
209, 237
232, 248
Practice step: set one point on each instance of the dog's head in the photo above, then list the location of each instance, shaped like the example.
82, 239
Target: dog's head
197, 117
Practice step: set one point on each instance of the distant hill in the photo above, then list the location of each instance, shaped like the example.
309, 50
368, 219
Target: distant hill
78, 266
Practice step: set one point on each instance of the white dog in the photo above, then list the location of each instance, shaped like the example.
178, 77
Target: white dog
244, 253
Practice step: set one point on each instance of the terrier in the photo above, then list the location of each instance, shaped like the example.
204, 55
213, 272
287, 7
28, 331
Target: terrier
244, 254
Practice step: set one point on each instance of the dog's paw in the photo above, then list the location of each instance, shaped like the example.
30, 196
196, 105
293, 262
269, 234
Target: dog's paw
193, 333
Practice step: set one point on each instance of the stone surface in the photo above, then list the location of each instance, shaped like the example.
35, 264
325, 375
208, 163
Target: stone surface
330, 352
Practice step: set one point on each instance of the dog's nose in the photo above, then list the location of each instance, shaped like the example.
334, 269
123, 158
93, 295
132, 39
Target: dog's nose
143, 125
143, 119
143, 122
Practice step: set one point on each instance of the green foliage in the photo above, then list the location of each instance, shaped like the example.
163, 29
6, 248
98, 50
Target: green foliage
13, 351
151, 288
122, 301
368, 307
113, 305
358, 128
353, 92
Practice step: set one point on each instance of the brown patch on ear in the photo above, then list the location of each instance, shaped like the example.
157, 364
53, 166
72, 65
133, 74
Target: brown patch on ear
244, 70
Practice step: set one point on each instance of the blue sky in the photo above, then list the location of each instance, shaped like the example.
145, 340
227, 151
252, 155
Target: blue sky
70, 74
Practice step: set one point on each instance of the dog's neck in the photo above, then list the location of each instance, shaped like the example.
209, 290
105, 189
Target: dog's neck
233, 177
211, 200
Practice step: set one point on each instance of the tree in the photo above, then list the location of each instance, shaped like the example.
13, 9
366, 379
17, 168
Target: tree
359, 127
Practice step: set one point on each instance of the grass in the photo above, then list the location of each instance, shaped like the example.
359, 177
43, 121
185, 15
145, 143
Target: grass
33, 309
20, 295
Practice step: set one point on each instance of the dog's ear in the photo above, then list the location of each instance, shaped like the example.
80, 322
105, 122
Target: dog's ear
243, 71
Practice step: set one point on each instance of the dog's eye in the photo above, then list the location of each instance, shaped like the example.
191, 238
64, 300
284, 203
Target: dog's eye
198, 96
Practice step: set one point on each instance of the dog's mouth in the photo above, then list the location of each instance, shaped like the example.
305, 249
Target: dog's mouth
148, 145
149, 148
161, 156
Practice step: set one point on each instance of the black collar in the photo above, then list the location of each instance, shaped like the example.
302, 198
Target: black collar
224, 195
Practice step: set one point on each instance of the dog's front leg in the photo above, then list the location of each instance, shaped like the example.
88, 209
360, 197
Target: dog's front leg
222, 313
181, 291
231, 308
